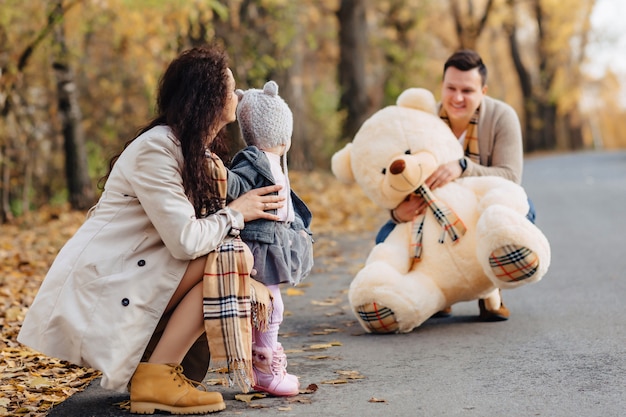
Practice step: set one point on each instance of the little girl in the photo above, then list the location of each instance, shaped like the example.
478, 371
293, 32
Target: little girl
282, 250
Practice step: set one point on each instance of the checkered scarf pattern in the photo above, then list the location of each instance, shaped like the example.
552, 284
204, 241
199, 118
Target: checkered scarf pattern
445, 216
471, 138
232, 302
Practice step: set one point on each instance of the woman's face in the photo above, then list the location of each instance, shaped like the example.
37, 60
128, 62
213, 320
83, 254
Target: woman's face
229, 114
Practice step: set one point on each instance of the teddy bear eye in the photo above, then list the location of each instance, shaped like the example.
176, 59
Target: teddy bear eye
384, 171
408, 152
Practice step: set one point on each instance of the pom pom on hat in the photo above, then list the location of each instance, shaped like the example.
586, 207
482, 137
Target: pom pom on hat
264, 118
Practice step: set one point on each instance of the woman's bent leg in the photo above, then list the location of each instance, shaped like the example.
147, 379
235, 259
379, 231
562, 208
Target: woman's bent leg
186, 321
160, 384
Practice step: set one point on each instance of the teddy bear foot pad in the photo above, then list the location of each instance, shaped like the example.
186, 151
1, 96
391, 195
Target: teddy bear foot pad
513, 263
377, 318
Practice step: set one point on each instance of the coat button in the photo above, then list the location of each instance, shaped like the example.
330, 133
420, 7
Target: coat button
125, 302
141, 262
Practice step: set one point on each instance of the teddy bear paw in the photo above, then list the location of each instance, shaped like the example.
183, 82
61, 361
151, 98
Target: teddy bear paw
513, 263
377, 318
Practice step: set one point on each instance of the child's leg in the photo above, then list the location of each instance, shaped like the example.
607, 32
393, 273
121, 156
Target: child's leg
268, 356
269, 338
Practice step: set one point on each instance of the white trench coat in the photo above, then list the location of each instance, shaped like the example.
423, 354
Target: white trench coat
104, 294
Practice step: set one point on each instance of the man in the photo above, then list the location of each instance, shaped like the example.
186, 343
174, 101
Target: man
490, 133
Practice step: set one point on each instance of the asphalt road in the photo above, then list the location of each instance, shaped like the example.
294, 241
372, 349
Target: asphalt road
562, 352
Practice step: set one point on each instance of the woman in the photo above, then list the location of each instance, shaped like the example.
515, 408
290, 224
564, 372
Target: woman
139, 259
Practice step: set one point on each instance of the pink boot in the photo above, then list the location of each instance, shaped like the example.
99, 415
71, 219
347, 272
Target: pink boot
270, 374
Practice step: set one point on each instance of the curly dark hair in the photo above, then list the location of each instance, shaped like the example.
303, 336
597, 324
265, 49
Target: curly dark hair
192, 94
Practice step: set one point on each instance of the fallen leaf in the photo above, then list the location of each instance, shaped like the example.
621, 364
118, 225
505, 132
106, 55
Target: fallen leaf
215, 381
335, 381
320, 357
351, 374
319, 346
310, 389
376, 400
328, 302
247, 398
298, 399
324, 332
294, 292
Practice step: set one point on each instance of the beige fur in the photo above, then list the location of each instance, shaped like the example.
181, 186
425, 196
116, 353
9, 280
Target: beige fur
493, 210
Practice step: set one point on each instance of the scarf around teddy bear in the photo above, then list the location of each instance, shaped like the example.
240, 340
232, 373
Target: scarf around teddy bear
445, 216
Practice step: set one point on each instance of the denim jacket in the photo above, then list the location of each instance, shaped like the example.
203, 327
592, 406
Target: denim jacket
251, 169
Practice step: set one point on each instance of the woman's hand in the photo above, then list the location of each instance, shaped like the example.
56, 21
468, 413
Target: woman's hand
253, 204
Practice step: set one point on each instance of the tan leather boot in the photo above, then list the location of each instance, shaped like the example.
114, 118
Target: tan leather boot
492, 308
164, 387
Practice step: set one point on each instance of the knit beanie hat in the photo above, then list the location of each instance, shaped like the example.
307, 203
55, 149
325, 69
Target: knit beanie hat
264, 118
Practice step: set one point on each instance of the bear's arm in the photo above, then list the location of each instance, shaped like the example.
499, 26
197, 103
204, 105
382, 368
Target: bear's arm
496, 190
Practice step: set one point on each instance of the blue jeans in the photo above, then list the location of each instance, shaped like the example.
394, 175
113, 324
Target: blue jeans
388, 227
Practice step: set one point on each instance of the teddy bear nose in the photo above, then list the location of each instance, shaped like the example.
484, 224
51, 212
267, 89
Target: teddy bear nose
397, 167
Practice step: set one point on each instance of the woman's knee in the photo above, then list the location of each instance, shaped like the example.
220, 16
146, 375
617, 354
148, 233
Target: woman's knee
193, 275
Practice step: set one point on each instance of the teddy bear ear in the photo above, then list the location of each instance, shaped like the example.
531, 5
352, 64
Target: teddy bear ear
239, 93
418, 98
341, 165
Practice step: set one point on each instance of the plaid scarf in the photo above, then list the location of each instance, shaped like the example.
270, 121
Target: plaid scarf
471, 138
447, 219
232, 302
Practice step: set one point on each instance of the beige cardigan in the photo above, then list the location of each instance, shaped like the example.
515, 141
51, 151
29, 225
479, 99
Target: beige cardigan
109, 285
499, 141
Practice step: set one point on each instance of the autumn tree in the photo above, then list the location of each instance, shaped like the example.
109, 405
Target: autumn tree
550, 72
470, 19
80, 188
22, 135
335, 62
353, 37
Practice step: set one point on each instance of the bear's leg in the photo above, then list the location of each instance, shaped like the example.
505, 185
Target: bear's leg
511, 250
386, 301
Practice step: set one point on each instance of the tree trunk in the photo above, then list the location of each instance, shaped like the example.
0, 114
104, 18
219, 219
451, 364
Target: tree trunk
468, 28
5, 210
352, 43
80, 189
539, 111
300, 153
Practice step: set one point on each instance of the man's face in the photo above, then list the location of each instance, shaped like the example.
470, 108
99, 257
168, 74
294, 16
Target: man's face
461, 93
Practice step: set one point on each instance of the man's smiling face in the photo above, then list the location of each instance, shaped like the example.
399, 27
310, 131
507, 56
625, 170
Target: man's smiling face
461, 94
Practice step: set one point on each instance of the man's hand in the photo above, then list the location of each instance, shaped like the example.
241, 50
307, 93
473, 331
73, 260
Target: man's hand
444, 174
414, 204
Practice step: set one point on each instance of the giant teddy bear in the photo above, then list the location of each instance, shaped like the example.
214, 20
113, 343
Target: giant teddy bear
473, 240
